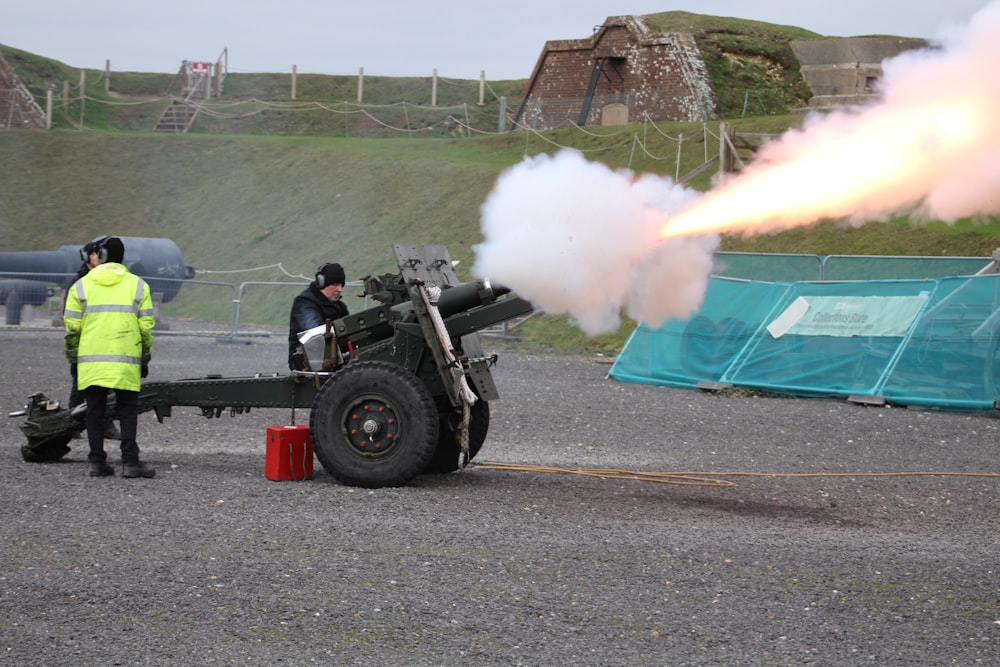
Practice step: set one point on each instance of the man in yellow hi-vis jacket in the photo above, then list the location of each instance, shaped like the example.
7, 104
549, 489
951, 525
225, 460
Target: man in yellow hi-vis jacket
109, 321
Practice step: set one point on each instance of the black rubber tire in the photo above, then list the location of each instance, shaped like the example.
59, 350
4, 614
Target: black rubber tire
401, 421
449, 447
48, 449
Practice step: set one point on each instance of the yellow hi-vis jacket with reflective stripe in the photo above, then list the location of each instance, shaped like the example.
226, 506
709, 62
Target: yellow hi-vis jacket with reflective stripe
109, 321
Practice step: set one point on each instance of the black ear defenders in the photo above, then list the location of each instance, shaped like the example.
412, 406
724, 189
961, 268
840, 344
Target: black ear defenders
102, 251
320, 278
95, 246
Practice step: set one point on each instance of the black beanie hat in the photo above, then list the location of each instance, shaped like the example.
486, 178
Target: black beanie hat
115, 249
330, 274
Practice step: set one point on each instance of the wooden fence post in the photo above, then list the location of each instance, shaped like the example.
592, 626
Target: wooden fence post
725, 157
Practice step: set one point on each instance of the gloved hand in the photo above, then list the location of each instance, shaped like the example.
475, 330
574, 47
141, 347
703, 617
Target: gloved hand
145, 365
72, 370
71, 357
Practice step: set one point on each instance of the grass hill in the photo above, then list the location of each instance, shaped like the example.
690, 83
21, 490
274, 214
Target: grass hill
262, 104
750, 63
258, 184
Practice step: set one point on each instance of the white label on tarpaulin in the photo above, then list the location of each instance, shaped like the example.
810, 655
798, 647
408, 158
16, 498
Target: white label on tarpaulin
848, 316
788, 318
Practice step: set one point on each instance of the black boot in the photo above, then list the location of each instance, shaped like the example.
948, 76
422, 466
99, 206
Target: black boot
138, 469
101, 469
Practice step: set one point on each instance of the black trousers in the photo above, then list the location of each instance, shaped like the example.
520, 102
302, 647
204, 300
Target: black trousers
127, 403
76, 398
75, 395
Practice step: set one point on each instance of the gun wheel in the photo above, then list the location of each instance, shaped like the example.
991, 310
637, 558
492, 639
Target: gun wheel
449, 446
374, 424
46, 449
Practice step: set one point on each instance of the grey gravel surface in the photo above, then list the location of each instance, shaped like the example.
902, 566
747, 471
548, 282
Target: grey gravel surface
210, 563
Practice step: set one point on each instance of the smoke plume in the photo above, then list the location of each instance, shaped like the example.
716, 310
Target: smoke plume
576, 237
929, 147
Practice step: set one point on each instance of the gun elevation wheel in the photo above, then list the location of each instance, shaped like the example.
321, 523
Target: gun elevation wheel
374, 424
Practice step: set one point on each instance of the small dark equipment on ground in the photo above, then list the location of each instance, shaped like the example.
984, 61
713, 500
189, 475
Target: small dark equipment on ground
411, 397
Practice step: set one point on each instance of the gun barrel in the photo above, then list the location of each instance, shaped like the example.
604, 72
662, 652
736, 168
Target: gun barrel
467, 296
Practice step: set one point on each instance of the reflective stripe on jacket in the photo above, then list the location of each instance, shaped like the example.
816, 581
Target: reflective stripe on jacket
109, 321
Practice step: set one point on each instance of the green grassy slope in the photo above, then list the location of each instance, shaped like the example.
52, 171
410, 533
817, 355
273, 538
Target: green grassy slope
225, 198
235, 202
233, 199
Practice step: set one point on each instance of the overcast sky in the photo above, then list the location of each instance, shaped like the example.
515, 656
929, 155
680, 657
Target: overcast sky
395, 38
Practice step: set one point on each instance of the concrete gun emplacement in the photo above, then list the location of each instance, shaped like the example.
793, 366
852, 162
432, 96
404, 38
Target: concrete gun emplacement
404, 387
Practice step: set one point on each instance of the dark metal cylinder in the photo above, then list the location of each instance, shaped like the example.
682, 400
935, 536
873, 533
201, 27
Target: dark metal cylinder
64, 260
157, 260
465, 297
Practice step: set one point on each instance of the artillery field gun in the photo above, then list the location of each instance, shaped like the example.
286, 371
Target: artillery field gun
411, 395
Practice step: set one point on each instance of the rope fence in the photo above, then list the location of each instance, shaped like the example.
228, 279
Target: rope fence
347, 118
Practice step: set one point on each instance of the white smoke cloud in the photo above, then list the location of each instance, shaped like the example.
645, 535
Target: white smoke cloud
966, 175
574, 237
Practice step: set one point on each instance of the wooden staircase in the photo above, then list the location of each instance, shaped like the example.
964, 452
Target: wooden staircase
197, 81
177, 117
18, 108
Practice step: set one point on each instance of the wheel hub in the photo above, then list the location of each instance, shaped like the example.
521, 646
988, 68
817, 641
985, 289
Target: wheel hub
372, 427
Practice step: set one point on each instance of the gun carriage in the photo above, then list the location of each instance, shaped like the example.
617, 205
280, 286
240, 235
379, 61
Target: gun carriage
404, 388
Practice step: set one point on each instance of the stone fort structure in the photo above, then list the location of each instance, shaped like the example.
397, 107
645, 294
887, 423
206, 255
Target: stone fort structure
844, 71
622, 74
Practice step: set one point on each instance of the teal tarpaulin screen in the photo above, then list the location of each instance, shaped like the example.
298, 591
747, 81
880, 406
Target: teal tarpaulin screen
930, 342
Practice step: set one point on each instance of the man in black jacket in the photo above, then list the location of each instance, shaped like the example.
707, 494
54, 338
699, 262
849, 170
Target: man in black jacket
313, 307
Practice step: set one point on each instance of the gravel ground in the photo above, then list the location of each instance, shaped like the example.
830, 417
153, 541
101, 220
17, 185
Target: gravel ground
210, 563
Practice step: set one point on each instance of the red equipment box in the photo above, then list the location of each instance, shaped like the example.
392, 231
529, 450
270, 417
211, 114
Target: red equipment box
289, 453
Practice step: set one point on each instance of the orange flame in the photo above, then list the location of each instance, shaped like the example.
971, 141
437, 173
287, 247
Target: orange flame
860, 165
